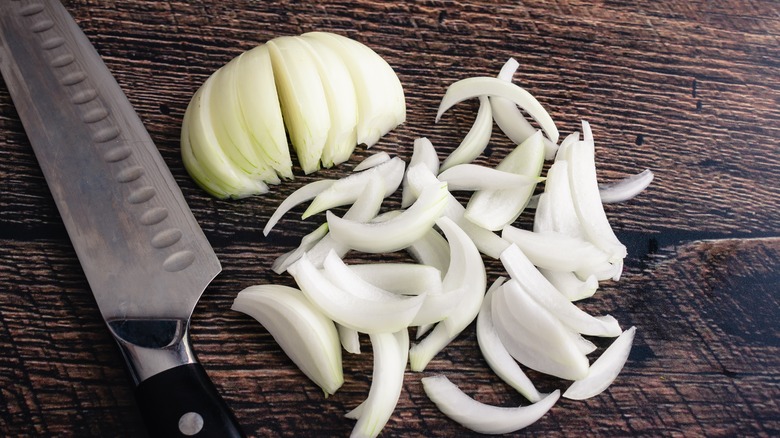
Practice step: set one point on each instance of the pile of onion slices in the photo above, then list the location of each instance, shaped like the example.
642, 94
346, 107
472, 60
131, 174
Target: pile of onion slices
525, 318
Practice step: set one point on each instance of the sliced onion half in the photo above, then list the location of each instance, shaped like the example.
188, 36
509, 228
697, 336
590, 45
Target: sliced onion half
481, 417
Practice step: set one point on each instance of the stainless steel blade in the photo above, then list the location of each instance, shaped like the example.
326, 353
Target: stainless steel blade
143, 253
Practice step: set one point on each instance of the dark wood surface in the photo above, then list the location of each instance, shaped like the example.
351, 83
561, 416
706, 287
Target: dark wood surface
689, 89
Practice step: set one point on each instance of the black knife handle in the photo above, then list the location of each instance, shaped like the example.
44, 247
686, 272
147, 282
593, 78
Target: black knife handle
183, 402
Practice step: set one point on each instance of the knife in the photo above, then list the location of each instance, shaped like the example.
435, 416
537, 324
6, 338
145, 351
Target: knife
146, 259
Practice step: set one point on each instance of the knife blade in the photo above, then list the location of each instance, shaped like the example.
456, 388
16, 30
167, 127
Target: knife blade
144, 255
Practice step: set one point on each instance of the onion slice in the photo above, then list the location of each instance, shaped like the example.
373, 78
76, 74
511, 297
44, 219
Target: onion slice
481, 417
604, 370
303, 194
396, 233
476, 140
487, 86
346, 190
509, 118
401, 278
555, 251
535, 337
372, 161
390, 355
476, 177
495, 354
304, 333
353, 302
495, 209
626, 188
536, 286
425, 154
570, 285
431, 249
466, 274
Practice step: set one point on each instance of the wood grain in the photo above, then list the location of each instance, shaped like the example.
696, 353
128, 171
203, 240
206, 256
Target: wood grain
689, 89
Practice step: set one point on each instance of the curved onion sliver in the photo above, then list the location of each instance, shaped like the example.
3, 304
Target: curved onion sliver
604, 370
626, 188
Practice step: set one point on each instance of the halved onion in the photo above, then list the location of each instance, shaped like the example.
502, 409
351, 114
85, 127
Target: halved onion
480, 417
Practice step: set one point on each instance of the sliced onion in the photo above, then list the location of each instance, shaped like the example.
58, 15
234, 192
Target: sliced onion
495, 209
401, 278
431, 249
302, 98
425, 154
495, 354
342, 102
480, 417
587, 201
304, 333
475, 142
372, 161
604, 370
533, 282
350, 339
396, 233
535, 337
390, 354
260, 109
381, 102
475, 177
361, 309
303, 194
556, 211
467, 273
485, 86
509, 118
570, 285
346, 190
307, 243
626, 188
555, 251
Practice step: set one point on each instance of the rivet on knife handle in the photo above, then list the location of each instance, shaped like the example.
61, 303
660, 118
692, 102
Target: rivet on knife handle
143, 253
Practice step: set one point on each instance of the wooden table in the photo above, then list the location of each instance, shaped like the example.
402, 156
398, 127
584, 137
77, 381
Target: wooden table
688, 89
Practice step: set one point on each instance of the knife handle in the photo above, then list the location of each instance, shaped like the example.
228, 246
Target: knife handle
181, 402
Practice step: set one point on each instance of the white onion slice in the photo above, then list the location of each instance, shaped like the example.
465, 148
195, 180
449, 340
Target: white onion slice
487, 86
431, 249
425, 154
555, 251
342, 102
303, 194
346, 190
372, 161
304, 333
535, 337
308, 242
587, 201
350, 339
476, 177
604, 370
467, 273
495, 354
361, 309
626, 188
487, 242
481, 417
476, 140
509, 118
559, 214
570, 285
396, 233
533, 282
495, 209
401, 278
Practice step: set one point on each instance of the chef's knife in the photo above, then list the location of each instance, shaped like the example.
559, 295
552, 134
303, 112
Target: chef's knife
144, 255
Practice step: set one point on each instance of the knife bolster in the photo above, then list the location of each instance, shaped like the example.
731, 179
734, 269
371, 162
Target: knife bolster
152, 346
